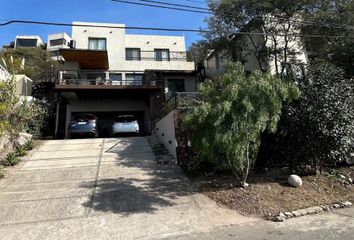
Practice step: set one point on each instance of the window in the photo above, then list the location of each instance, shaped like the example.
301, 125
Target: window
26, 42
116, 78
133, 79
162, 55
57, 42
132, 54
97, 43
175, 85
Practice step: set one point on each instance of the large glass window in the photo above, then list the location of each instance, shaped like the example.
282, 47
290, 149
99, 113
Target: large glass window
134, 79
26, 42
162, 55
97, 43
132, 54
57, 42
116, 78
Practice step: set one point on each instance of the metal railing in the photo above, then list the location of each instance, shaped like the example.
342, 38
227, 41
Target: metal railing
152, 56
110, 82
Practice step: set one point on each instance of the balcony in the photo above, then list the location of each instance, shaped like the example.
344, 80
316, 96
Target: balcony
104, 80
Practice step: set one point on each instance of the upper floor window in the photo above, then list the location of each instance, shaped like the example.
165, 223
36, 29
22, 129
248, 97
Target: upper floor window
132, 54
57, 42
23, 42
97, 43
162, 54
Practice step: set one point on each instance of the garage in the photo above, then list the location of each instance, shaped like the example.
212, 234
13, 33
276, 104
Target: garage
105, 121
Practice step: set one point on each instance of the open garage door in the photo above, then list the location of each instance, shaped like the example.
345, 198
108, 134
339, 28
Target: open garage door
106, 119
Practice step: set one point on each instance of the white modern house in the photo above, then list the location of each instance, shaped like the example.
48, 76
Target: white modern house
108, 72
28, 41
57, 41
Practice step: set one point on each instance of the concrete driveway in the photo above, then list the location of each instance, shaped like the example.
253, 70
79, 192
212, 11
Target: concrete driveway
103, 189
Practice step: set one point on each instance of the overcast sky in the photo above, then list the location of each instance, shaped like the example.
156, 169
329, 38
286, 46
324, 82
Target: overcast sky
94, 11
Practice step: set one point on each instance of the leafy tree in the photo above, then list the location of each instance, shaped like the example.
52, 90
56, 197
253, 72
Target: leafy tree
235, 110
198, 51
277, 20
34, 62
318, 129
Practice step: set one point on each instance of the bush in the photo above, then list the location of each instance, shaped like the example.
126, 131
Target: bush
29, 145
235, 109
318, 129
11, 159
21, 151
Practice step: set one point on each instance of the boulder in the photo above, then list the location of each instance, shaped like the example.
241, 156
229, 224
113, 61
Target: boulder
294, 181
22, 139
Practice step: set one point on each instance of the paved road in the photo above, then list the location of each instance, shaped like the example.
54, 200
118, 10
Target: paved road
325, 226
103, 189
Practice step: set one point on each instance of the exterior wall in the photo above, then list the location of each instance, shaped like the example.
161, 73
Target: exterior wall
23, 85
58, 36
117, 41
165, 130
38, 38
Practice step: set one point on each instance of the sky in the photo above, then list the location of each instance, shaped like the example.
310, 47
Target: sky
95, 11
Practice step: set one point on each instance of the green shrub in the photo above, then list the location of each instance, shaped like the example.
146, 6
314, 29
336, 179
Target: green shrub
11, 159
21, 151
29, 145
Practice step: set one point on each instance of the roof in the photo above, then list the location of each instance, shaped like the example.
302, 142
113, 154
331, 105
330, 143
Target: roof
88, 59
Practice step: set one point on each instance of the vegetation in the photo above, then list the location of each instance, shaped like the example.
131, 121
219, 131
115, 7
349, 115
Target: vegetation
236, 108
11, 159
318, 129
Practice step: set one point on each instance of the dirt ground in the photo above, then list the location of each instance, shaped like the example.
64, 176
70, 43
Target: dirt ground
267, 196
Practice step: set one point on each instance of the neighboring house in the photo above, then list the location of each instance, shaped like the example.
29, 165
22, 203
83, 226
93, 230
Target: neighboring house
108, 72
28, 41
58, 41
247, 50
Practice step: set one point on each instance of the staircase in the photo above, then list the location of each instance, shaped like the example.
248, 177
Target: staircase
162, 155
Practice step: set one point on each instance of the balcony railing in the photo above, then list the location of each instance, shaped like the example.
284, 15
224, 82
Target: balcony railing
109, 82
153, 56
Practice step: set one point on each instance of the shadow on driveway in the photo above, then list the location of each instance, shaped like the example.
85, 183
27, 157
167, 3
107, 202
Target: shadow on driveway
145, 187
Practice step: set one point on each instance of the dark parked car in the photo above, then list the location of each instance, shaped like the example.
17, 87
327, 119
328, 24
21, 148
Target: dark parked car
125, 124
82, 125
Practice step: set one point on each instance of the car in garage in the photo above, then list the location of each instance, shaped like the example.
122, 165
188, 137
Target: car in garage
125, 124
83, 125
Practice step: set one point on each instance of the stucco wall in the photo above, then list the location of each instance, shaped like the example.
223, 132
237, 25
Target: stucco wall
117, 41
165, 130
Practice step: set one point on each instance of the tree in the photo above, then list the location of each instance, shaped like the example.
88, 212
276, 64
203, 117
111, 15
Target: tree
276, 20
198, 51
235, 109
318, 129
34, 62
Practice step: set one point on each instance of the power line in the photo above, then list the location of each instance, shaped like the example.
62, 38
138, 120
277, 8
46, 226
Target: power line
160, 6
210, 11
167, 29
175, 4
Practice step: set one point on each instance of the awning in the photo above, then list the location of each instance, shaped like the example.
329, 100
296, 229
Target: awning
88, 59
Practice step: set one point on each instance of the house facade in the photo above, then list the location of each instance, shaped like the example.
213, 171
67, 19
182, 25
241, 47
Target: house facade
108, 72
257, 51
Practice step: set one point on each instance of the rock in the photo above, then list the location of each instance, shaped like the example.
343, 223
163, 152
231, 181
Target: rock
294, 181
288, 214
244, 185
296, 213
347, 204
279, 219
336, 205
22, 139
350, 180
341, 176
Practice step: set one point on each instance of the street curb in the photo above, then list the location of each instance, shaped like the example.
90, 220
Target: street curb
282, 216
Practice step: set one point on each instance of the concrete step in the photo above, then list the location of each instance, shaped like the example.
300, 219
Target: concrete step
161, 153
